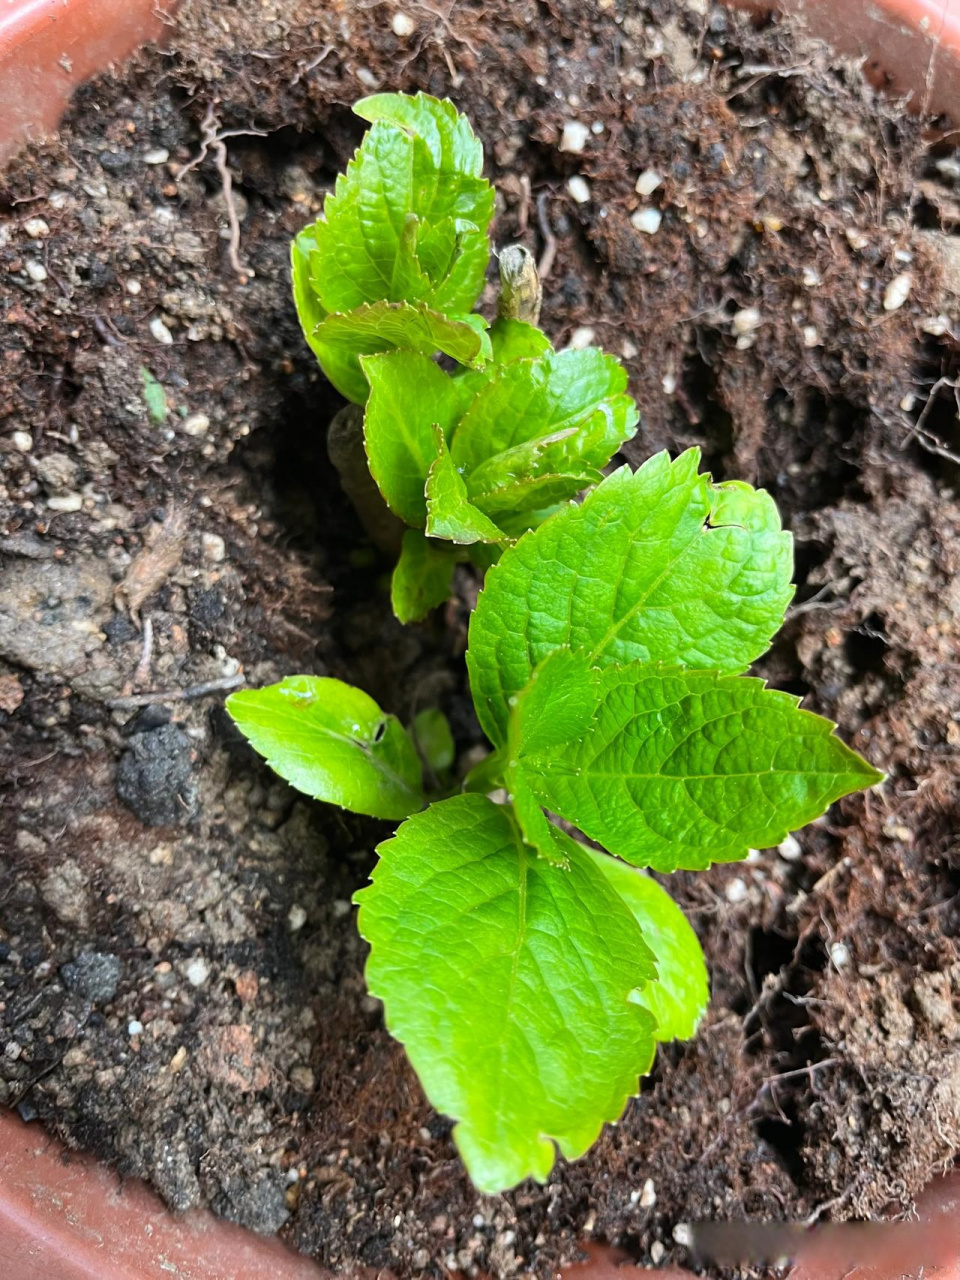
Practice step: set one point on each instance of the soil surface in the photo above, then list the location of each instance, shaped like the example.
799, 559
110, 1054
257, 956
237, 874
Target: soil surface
181, 984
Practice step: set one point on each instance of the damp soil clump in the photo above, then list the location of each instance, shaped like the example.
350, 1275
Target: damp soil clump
181, 986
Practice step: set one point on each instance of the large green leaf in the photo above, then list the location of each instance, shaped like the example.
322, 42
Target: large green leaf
409, 396
565, 412
678, 996
332, 742
422, 577
683, 768
509, 982
408, 219
659, 565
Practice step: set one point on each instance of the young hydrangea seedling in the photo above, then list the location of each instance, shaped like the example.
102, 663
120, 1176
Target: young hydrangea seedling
467, 460
528, 976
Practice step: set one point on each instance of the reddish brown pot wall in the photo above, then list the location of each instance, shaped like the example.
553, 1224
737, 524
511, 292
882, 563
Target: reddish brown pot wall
66, 1218
48, 47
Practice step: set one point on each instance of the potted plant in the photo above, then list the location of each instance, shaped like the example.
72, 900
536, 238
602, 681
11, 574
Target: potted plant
178, 1035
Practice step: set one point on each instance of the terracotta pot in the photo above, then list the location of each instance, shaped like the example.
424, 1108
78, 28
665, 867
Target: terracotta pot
48, 47
911, 45
64, 1217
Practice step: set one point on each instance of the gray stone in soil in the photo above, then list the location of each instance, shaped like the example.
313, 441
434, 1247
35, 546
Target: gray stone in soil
154, 776
93, 976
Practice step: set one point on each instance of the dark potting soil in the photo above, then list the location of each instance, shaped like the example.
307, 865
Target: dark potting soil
181, 984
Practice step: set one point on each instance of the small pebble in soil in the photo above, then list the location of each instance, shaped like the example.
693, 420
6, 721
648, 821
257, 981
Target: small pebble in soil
574, 137
302, 1079
579, 189
790, 849
736, 890
811, 278
66, 502
160, 333
582, 338
213, 546
93, 975
134, 1028
648, 182
36, 228
156, 155
36, 271
296, 918
657, 1252
839, 954
669, 384
154, 776
648, 1196
746, 321
58, 472
936, 326
133, 287
811, 335
682, 1234
647, 220
197, 971
897, 291
23, 441
403, 25
197, 424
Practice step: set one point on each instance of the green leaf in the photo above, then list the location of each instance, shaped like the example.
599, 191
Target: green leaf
450, 514
408, 219
446, 133
557, 706
678, 996
658, 565
684, 768
422, 577
409, 396
339, 365
342, 339
509, 982
332, 742
509, 340
563, 413
433, 738
154, 396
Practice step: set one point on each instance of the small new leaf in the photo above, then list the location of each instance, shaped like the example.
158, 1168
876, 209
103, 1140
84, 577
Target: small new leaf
658, 565
422, 577
334, 743
410, 395
561, 416
343, 338
408, 220
434, 739
683, 768
450, 513
510, 983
